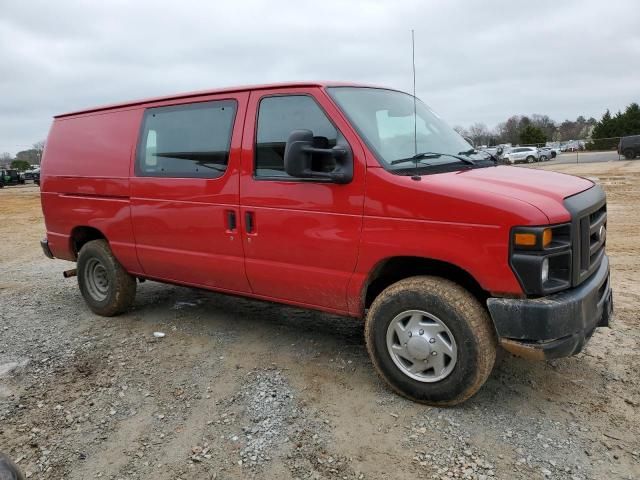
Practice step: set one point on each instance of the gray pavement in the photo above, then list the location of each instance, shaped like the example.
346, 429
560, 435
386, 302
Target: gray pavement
586, 157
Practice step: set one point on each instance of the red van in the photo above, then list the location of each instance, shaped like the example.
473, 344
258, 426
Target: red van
340, 198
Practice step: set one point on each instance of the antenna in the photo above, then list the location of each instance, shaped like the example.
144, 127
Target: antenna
415, 116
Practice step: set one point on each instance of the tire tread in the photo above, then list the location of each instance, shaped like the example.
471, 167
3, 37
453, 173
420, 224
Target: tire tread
125, 284
467, 306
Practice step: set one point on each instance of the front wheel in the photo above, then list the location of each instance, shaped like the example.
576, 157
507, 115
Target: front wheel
105, 285
430, 340
629, 154
530, 159
543, 158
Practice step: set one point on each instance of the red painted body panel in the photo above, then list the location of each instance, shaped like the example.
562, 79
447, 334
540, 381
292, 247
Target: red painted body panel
314, 244
85, 181
306, 233
180, 224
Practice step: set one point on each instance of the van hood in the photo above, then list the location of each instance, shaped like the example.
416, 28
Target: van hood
542, 189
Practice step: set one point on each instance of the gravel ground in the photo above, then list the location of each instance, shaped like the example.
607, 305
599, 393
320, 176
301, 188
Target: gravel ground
246, 389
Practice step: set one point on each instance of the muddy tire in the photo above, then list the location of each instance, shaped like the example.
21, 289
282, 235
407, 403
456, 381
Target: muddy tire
8, 469
106, 287
415, 317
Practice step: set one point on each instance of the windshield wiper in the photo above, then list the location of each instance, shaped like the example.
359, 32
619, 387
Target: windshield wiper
426, 155
473, 150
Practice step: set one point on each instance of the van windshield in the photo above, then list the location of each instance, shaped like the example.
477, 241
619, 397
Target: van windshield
384, 118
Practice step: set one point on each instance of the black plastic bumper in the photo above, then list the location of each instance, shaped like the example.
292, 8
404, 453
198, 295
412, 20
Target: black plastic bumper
557, 325
45, 248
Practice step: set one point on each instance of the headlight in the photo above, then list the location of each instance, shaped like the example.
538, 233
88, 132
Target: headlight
541, 258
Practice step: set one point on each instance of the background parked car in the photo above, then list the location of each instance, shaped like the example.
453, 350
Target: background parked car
521, 155
547, 153
629, 146
10, 177
573, 146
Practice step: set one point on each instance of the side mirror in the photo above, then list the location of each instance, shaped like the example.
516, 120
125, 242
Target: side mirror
303, 160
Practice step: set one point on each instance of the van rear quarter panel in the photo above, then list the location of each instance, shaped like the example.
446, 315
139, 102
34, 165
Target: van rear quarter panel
85, 180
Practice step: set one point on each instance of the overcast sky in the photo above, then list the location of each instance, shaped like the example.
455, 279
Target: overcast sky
476, 60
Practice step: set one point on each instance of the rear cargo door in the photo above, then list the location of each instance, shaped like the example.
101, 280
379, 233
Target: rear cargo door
185, 192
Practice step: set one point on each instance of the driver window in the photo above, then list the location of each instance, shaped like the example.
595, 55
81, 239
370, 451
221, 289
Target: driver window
277, 118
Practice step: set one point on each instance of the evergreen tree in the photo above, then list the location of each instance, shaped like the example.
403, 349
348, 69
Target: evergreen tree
531, 134
610, 127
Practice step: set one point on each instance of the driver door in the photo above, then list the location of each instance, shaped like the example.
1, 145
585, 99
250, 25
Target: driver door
300, 235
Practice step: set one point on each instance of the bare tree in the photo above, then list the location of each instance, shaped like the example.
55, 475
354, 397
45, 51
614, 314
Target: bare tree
5, 159
509, 131
544, 123
479, 133
461, 130
39, 148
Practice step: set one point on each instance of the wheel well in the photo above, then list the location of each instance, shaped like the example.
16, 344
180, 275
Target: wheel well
395, 269
82, 235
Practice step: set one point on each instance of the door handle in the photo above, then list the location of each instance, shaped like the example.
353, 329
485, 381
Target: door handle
231, 220
249, 222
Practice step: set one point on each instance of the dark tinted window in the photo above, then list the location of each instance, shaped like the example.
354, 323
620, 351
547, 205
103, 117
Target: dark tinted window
277, 117
186, 140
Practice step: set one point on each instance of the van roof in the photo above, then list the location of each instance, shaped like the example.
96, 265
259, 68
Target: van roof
211, 92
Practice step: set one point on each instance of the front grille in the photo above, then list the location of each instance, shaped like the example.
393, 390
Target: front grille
592, 239
588, 229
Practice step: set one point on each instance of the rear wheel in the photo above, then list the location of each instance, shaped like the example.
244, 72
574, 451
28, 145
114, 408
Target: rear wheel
543, 158
530, 159
430, 340
629, 154
106, 287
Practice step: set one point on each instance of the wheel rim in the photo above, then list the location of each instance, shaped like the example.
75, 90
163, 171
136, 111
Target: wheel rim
96, 279
421, 346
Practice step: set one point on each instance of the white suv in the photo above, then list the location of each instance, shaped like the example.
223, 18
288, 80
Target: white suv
521, 154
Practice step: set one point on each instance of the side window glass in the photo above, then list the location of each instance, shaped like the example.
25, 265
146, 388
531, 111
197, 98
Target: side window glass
186, 141
277, 118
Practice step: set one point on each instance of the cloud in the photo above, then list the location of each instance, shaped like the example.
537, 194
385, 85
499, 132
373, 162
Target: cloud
476, 61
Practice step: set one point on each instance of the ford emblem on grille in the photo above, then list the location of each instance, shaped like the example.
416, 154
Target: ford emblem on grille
602, 233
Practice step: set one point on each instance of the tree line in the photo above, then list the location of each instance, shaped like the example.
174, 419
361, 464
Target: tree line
539, 129
23, 159
618, 125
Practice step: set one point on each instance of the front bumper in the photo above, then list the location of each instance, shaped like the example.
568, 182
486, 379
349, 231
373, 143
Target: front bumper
44, 243
558, 325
